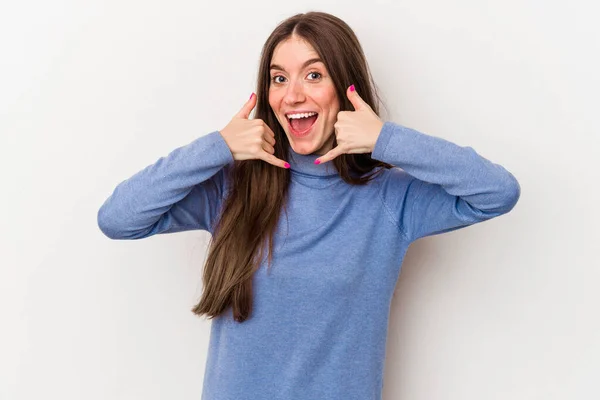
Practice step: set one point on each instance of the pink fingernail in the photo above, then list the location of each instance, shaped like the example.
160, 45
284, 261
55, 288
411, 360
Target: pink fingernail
352, 88
251, 95
286, 165
317, 162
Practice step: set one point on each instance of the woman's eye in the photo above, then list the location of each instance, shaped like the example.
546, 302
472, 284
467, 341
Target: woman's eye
314, 75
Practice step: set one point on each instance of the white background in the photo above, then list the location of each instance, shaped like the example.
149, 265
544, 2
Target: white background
91, 92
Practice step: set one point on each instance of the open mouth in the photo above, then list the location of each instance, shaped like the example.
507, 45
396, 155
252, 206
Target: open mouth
302, 126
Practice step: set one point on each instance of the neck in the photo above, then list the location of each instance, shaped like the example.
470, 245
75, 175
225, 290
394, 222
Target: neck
305, 164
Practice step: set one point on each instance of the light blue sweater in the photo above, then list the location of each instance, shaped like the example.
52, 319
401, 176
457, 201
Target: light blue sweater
319, 324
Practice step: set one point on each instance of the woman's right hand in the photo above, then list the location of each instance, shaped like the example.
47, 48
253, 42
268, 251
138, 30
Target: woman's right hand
251, 138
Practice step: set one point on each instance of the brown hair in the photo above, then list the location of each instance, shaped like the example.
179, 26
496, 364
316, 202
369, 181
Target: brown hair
258, 190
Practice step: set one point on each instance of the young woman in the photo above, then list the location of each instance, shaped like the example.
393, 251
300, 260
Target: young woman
312, 205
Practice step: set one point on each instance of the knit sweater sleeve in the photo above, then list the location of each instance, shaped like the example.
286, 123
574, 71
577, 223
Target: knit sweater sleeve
181, 191
441, 186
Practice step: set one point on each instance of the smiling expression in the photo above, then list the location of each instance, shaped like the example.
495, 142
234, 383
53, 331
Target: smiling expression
299, 82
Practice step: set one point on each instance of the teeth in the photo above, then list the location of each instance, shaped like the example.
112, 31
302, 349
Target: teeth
301, 115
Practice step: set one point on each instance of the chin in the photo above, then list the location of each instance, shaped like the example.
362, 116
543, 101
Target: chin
304, 147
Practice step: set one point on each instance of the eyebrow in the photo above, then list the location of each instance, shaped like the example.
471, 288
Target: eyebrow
306, 64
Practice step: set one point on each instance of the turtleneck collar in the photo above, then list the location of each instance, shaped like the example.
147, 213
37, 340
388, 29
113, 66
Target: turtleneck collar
305, 164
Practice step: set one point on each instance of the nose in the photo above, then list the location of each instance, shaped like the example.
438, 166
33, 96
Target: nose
294, 93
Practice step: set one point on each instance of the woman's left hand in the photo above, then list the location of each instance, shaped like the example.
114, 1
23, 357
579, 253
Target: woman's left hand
355, 131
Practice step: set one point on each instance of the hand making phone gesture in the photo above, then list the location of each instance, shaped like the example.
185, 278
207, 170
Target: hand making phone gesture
251, 138
355, 131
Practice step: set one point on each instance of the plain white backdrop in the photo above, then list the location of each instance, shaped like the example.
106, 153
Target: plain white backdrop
91, 92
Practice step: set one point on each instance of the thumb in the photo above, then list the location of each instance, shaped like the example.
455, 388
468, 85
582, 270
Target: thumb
247, 108
355, 99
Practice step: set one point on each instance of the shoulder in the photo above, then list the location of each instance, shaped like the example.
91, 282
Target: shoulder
394, 185
394, 176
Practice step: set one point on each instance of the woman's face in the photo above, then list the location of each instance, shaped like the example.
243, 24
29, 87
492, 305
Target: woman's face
301, 84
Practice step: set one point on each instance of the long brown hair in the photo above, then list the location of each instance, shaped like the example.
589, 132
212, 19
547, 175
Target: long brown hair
258, 190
